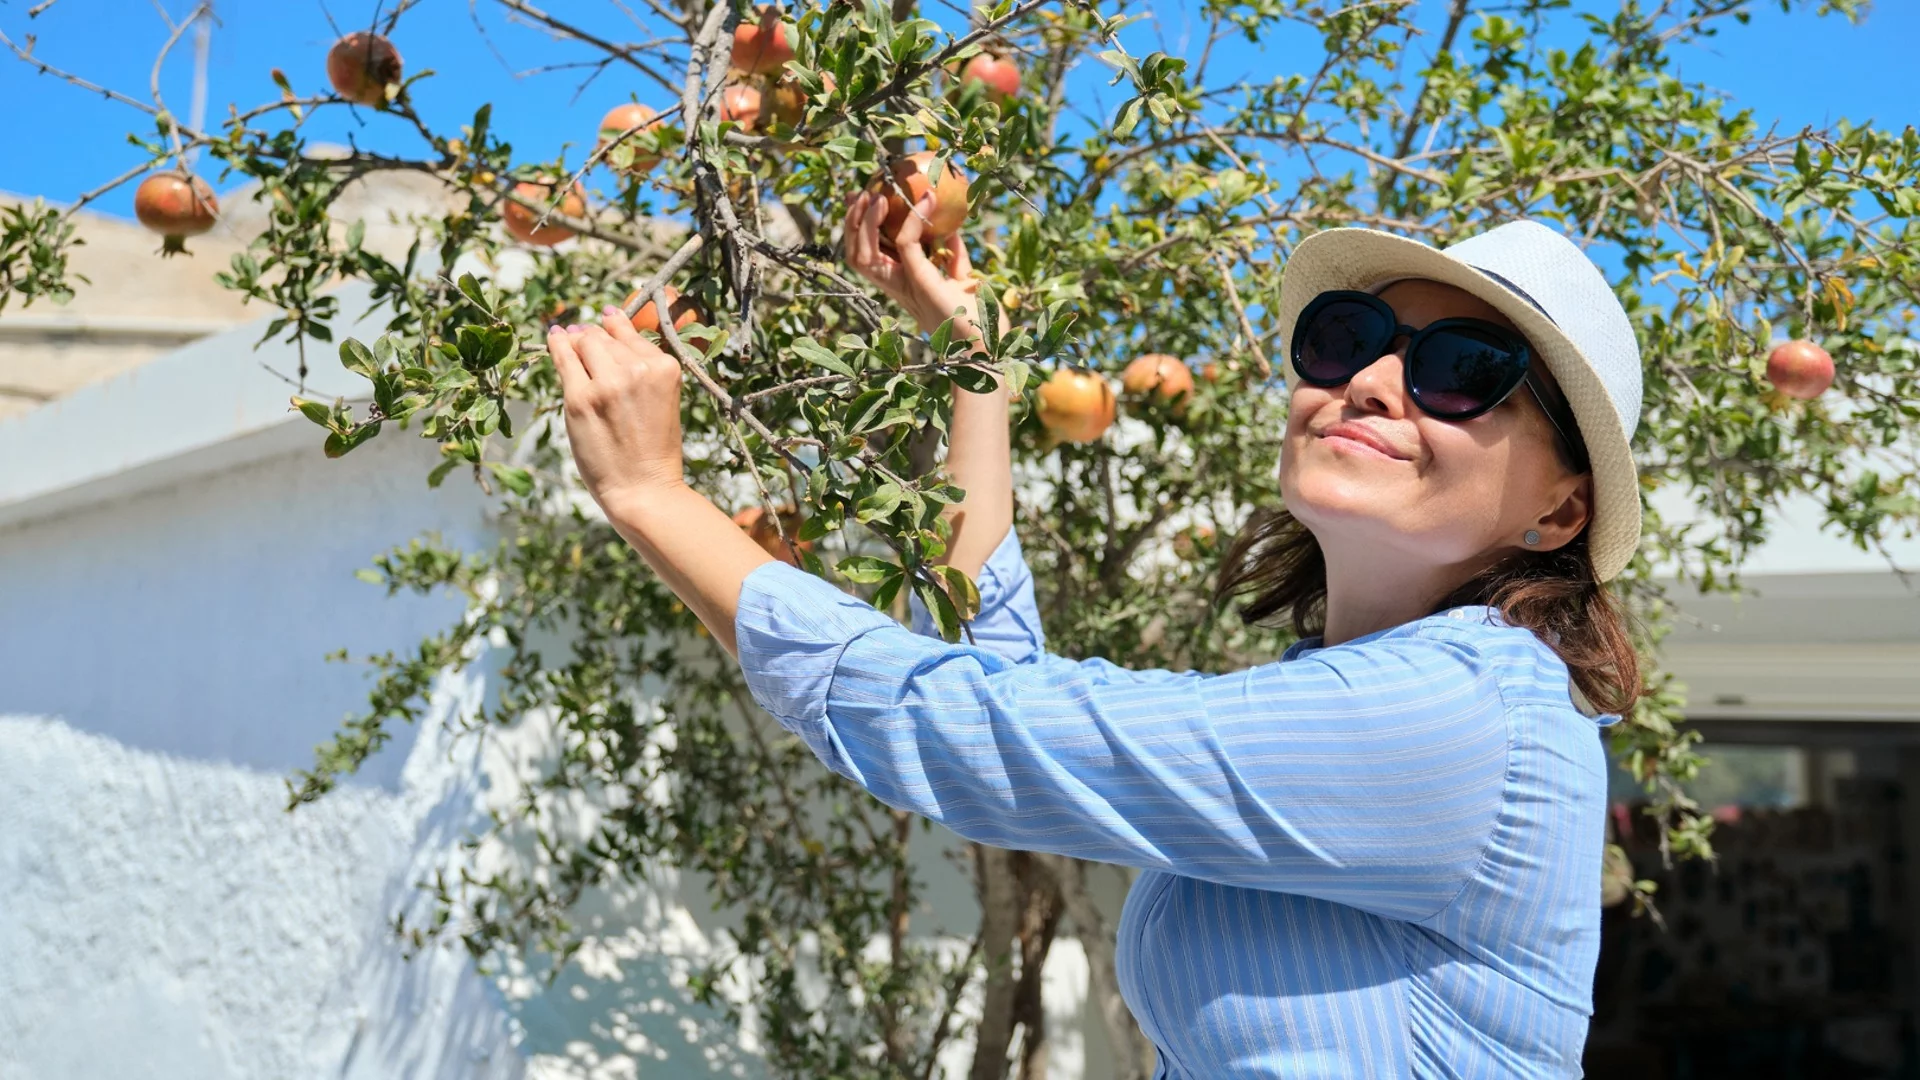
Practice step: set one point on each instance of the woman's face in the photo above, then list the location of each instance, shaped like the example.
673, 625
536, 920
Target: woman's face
1362, 466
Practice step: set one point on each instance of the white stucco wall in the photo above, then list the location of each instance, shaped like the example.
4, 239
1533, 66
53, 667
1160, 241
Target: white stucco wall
161, 914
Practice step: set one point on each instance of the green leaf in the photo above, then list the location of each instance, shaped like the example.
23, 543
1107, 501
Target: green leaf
440, 471
357, 358
820, 356
965, 594
865, 409
977, 380
866, 569
513, 478
470, 288
945, 618
890, 588
482, 347
989, 319
370, 576
317, 411
884, 501
942, 338
339, 444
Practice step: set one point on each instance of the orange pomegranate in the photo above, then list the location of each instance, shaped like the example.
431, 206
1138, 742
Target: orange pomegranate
1076, 406
997, 75
759, 528
1193, 540
1157, 371
622, 119
785, 103
740, 103
760, 44
364, 68
1800, 369
523, 223
175, 205
909, 184
686, 311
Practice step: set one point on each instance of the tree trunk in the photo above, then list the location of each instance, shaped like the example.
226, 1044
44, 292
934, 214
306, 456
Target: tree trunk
1132, 1053
1039, 921
1000, 909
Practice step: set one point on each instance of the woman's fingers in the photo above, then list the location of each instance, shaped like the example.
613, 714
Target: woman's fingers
916, 223
856, 229
566, 359
619, 327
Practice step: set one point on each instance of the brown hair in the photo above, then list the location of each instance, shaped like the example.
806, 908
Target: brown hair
1276, 562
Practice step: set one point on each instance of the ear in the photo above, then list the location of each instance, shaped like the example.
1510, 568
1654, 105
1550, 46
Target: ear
1559, 525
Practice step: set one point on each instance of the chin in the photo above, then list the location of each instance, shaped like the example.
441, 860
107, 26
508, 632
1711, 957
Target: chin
1322, 497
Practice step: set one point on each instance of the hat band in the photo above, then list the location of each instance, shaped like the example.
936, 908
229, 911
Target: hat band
1517, 291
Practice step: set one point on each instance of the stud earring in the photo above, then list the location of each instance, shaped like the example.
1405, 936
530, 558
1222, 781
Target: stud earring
1532, 537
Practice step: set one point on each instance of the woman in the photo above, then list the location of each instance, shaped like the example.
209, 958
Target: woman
1376, 857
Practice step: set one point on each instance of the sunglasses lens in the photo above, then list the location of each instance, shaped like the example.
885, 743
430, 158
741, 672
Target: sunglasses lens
1461, 371
1339, 340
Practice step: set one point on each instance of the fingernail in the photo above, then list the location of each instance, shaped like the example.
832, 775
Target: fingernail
612, 309
577, 328
553, 329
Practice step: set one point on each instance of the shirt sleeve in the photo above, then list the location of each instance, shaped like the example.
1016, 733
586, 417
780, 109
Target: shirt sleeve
1368, 774
1008, 622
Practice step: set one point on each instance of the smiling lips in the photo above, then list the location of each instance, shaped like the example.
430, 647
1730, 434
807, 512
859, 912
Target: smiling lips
1349, 435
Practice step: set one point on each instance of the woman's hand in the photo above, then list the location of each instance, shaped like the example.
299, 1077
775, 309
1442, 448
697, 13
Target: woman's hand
903, 270
979, 454
622, 398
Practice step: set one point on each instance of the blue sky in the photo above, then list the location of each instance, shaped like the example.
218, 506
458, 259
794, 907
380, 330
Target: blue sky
59, 141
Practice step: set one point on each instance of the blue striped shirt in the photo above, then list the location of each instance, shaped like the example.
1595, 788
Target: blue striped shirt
1375, 859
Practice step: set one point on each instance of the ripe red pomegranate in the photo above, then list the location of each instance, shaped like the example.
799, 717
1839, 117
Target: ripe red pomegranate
1169, 375
997, 75
686, 311
622, 119
949, 196
1800, 369
759, 528
1076, 406
521, 221
362, 66
760, 45
175, 205
740, 103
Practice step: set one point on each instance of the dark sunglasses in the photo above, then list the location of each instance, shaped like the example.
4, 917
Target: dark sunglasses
1456, 369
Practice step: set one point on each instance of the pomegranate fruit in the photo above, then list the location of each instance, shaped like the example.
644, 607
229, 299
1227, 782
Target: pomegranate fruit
523, 223
909, 184
1157, 371
998, 76
364, 68
1800, 369
1076, 406
759, 528
622, 119
740, 103
785, 103
1193, 540
760, 46
685, 310
175, 205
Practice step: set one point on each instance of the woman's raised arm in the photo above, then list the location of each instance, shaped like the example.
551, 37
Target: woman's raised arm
979, 452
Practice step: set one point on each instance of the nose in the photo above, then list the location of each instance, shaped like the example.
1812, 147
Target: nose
1381, 387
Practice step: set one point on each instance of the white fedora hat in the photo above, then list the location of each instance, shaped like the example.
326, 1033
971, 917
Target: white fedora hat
1556, 297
